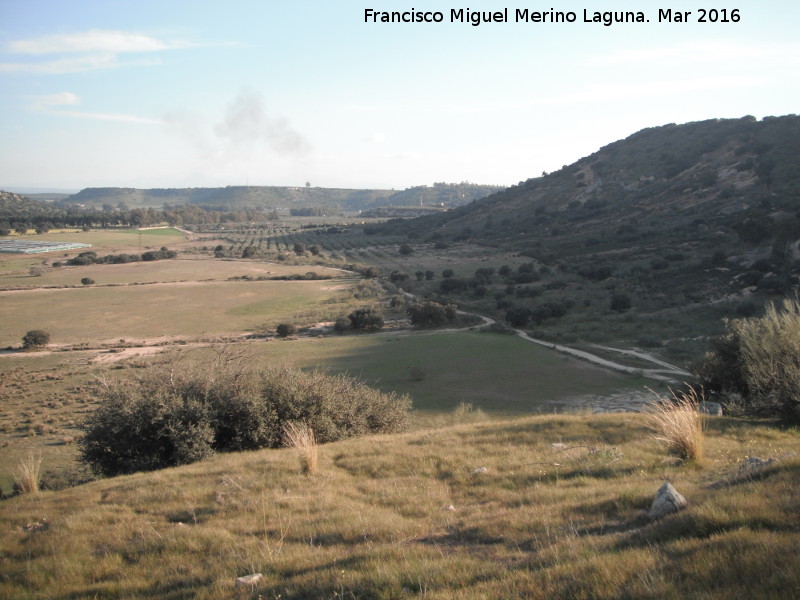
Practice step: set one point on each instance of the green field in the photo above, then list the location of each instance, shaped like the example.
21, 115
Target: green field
501, 374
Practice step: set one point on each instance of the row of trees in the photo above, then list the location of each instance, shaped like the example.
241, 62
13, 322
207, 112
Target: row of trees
22, 220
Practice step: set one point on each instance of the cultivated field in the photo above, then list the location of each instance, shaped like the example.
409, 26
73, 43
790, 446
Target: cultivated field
136, 313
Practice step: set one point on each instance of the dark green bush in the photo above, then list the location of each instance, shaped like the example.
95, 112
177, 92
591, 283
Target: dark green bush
166, 417
365, 318
36, 338
286, 329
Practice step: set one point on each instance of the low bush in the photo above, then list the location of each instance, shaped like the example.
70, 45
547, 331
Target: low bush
758, 359
169, 417
36, 338
286, 329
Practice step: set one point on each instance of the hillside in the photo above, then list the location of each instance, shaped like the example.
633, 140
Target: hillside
699, 219
737, 177
236, 197
544, 507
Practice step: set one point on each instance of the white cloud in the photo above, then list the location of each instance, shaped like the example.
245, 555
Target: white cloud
76, 64
92, 50
60, 99
50, 104
95, 116
94, 40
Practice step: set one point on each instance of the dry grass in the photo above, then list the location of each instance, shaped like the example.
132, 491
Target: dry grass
26, 474
301, 437
404, 516
678, 423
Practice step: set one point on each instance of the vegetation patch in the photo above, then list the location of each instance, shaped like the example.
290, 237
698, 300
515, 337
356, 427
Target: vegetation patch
173, 416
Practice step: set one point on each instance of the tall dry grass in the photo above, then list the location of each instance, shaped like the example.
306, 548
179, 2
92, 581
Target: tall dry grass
26, 474
301, 437
678, 423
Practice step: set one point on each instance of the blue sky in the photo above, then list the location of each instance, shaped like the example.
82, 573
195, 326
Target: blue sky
198, 93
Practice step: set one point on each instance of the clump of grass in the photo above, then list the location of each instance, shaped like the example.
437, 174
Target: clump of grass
301, 437
466, 412
677, 421
26, 475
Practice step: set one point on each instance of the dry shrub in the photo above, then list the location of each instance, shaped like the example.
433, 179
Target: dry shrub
466, 412
677, 421
26, 475
301, 437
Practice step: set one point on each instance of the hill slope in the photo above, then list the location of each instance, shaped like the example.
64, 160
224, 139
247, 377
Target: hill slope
668, 220
492, 510
663, 181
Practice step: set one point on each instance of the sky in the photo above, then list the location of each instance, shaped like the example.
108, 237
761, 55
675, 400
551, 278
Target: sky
175, 93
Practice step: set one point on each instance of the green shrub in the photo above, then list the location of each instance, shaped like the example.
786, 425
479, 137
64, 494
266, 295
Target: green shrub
286, 329
759, 359
36, 338
168, 417
365, 318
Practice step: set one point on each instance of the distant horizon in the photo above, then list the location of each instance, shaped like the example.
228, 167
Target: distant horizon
24, 189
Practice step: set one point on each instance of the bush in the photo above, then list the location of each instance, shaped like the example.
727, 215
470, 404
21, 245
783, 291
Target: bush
166, 418
759, 359
365, 318
341, 324
87, 281
285, 330
431, 314
36, 338
620, 303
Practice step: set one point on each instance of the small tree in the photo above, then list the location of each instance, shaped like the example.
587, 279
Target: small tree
431, 314
34, 339
365, 318
285, 330
87, 281
620, 302
406, 249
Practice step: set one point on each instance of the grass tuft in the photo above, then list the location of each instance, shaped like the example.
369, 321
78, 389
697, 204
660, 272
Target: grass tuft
26, 475
301, 437
677, 421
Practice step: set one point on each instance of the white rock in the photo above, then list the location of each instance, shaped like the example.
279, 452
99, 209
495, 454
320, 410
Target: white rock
667, 501
249, 579
480, 471
710, 408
